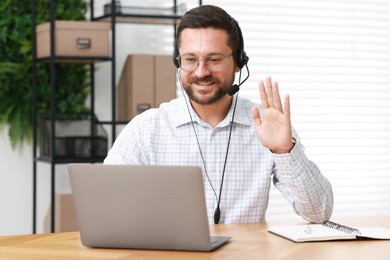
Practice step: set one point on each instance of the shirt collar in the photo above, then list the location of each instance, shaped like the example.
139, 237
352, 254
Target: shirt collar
241, 115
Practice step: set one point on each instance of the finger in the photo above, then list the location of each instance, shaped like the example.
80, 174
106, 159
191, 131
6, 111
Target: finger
268, 84
263, 95
287, 106
276, 96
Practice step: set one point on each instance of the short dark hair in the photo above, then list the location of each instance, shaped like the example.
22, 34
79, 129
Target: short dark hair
209, 16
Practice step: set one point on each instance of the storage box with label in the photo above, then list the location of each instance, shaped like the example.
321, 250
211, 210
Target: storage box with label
146, 81
75, 39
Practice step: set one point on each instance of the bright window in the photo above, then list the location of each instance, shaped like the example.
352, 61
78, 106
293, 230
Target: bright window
333, 58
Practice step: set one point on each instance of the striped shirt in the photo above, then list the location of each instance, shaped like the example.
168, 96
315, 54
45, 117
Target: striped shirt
165, 136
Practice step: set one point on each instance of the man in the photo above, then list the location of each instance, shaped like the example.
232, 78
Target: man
240, 149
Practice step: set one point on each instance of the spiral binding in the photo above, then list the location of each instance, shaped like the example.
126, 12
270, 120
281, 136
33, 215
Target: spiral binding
342, 228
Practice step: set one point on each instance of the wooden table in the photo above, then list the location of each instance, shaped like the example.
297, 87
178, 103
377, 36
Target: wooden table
250, 241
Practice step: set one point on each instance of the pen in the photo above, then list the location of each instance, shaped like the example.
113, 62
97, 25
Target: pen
308, 229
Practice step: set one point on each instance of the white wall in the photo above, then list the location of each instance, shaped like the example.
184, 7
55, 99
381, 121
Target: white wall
15, 187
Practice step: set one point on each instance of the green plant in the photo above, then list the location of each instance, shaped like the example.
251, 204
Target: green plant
16, 67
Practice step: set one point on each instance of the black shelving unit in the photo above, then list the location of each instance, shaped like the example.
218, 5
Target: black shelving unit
53, 159
114, 17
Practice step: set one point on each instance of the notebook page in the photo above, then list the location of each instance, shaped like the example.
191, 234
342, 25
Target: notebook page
318, 232
375, 232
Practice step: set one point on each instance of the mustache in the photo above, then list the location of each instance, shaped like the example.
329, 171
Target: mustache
204, 79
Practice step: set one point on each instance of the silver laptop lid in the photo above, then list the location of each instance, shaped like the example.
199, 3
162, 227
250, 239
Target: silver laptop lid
144, 207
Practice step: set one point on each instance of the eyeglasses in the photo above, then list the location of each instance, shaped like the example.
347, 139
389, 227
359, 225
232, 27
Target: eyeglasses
214, 63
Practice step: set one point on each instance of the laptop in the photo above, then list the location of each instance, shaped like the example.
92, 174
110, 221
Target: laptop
142, 207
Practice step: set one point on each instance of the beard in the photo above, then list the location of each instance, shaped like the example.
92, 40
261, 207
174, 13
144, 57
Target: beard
199, 96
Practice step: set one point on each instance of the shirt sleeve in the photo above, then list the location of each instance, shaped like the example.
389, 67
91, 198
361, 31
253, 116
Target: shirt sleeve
302, 184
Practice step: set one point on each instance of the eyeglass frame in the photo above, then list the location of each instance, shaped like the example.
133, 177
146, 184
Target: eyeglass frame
225, 60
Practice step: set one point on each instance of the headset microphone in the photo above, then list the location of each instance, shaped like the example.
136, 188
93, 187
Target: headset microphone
236, 87
233, 89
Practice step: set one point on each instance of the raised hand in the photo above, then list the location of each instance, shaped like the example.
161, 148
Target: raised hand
273, 128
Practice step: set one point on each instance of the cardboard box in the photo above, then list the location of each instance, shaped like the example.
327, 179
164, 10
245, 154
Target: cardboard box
146, 81
165, 79
65, 215
74, 39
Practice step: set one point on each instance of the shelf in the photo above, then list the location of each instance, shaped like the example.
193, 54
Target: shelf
143, 14
111, 122
73, 59
71, 160
142, 19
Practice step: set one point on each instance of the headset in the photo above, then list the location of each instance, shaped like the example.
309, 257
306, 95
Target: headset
241, 58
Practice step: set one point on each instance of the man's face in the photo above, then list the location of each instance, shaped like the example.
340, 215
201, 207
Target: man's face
202, 85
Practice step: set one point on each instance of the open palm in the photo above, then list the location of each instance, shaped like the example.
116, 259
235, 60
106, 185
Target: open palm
273, 127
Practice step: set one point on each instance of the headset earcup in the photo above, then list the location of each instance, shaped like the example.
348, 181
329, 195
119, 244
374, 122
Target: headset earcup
244, 59
174, 57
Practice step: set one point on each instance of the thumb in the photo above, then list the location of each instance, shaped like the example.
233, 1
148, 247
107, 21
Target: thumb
256, 116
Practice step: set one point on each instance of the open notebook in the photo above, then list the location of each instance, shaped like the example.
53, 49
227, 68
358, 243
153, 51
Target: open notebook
328, 230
